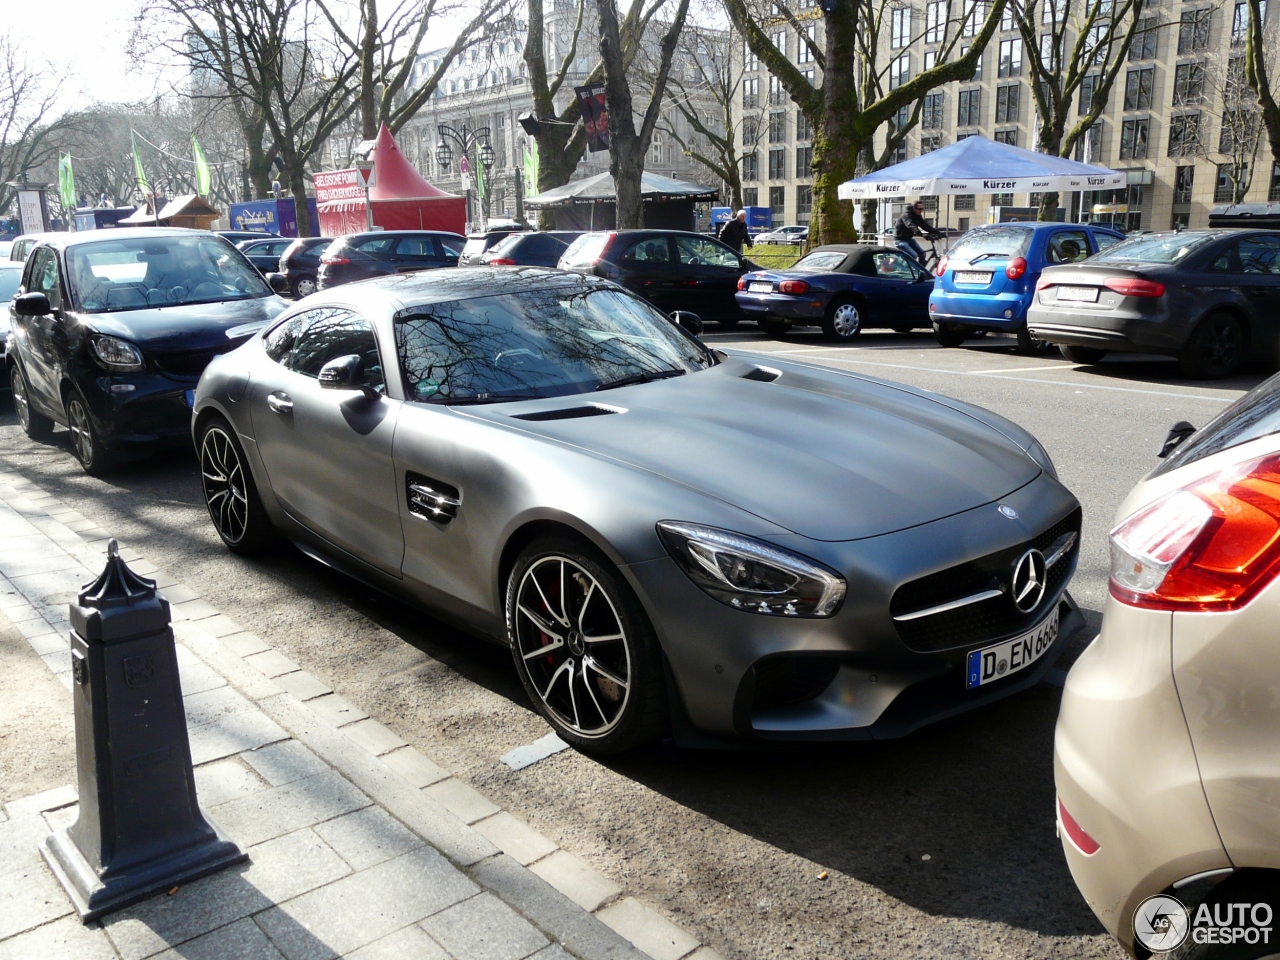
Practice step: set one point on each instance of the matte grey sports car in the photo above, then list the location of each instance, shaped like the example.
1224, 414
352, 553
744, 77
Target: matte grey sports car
670, 538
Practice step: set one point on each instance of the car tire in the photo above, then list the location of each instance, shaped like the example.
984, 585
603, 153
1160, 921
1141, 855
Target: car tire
86, 443
1215, 348
1031, 345
950, 336
844, 321
1086, 355
302, 286
774, 328
1244, 886
230, 494
34, 423
601, 695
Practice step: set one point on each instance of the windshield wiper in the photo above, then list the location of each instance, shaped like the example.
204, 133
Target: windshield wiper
990, 253
641, 378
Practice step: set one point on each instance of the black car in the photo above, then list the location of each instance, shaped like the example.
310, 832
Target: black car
240, 236
480, 243
265, 254
112, 331
300, 264
386, 252
1211, 298
672, 269
528, 249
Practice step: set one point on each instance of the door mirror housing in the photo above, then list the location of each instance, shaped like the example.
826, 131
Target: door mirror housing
688, 321
346, 373
277, 282
31, 305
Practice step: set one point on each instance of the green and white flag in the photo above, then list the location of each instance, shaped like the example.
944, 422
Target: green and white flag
531, 167
66, 184
138, 173
480, 180
203, 179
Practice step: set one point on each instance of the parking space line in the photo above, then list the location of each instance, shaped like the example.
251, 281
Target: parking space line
1050, 366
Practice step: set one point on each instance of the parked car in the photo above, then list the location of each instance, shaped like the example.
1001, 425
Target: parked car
112, 330
480, 243
530, 451
300, 264
793, 236
1165, 752
5, 247
24, 244
842, 287
1207, 297
265, 254
988, 279
10, 279
672, 269
529, 249
240, 236
384, 252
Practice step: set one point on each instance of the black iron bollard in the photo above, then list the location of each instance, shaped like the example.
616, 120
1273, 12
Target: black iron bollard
140, 828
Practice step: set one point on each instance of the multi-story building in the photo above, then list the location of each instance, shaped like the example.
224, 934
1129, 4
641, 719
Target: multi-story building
1171, 122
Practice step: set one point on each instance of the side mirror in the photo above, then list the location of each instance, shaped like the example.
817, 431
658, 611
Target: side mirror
31, 305
346, 373
689, 321
277, 282
1177, 434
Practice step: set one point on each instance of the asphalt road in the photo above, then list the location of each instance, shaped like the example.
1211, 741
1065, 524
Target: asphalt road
941, 844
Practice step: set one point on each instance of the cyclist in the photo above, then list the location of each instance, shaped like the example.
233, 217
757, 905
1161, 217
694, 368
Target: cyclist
911, 223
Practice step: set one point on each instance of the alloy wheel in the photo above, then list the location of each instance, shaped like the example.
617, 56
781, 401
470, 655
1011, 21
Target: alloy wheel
18, 389
846, 320
304, 288
81, 430
222, 474
574, 645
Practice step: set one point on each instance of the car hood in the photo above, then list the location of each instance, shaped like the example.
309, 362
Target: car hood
824, 455
192, 327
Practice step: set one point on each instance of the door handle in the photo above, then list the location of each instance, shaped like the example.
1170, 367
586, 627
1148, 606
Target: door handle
280, 403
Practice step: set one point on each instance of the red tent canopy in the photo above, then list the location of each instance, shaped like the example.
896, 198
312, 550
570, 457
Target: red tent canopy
400, 198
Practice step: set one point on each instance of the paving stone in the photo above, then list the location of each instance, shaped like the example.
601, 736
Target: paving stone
178, 593
66, 938
291, 865
48, 643
61, 818
271, 663
280, 810
28, 565
242, 940
62, 796
365, 906
225, 724
244, 644
462, 801
484, 928
36, 627
367, 837
30, 896
414, 767
580, 883
284, 762
705, 953
647, 929
552, 952
515, 838
374, 737
195, 675
239, 674
59, 587
225, 780
303, 685
212, 706
78, 526
22, 612
409, 943
94, 535
59, 661
220, 626
193, 610
336, 710
161, 578
143, 568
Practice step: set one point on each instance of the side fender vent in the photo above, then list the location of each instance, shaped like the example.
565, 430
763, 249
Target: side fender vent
569, 413
762, 374
431, 499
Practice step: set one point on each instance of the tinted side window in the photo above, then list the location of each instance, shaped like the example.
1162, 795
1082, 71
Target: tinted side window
415, 247
1256, 414
332, 333
1259, 255
376, 245
1104, 240
893, 266
449, 246
696, 251
654, 250
278, 341
1067, 246
44, 277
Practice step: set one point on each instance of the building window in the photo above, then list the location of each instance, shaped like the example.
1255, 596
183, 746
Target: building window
777, 95
1185, 178
1007, 103
930, 59
1009, 136
1240, 21
899, 153
749, 59
777, 164
803, 130
1273, 191
1139, 86
977, 64
1145, 39
656, 152
780, 41
1180, 221
900, 28
751, 166
900, 119
931, 114
1002, 199
1133, 139
804, 203
808, 76
964, 201
750, 93
1184, 135
778, 203
1193, 31
750, 131
1088, 86
1235, 85
1188, 83
1089, 147
975, 12
935, 21
1049, 12
900, 71
777, 127
1239, 131
804, 51
930, 203
1010, 58
804, 163
751, 197
963, 223
969, 108
1047, 48
930, 144
1006, 18
1224, 191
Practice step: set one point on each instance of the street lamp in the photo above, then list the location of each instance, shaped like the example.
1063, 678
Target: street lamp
444, 156
467, 141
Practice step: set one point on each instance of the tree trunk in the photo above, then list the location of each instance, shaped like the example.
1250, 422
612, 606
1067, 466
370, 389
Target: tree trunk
368, 48
1048, 208
838, 141
259, 167
627, 166
298, 189
870, 218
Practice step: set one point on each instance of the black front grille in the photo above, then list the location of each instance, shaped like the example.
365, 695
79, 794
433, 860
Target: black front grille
785, 681
987, 620
189, 364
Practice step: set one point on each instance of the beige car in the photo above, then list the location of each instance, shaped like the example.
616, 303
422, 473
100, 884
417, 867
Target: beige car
1167, 749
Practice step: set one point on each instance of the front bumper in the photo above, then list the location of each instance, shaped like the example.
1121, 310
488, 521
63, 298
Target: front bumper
795, 309
156, 412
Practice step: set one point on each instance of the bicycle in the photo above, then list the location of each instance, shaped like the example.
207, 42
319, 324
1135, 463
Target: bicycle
931, 255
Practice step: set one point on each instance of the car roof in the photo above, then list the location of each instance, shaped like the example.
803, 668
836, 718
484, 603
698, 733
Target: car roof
408, 290
370, 234
65, 240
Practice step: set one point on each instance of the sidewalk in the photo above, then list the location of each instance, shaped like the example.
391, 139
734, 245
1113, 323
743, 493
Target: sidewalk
359, 845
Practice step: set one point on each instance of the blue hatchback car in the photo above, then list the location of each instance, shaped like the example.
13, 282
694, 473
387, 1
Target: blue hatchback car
987, 281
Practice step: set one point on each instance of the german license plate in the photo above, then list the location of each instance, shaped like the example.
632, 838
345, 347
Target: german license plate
190, 397
998, 661
1081, 294
757, 286
972, 276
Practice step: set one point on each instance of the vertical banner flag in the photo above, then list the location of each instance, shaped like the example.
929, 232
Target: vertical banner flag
595, 115
202, 167
531, 167
480, 180
138, 173
66, 185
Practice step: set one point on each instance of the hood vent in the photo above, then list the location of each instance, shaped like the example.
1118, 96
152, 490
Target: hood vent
763, 374
569, 413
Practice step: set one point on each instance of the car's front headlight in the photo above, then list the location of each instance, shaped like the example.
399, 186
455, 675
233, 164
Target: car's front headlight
1041, 456
118, 356
752, 575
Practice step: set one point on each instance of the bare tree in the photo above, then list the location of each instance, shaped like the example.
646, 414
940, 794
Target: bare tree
1241, 133
1259, 54
28, 131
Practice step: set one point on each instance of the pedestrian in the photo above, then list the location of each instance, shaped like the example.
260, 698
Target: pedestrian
734, 232
909, 224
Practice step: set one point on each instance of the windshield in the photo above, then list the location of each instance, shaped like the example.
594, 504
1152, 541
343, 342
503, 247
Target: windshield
474, 246
821, 260
1256, 414
538, 343
586, 249
9, 280
1157, 248
159, 272
506, 244
1004, 242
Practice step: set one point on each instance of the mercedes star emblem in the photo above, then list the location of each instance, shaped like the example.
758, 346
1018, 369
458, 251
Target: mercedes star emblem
1028, 581
1007, 511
